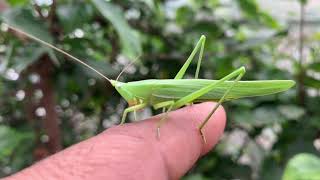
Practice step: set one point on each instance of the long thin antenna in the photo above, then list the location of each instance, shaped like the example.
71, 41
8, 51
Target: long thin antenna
126, 67
59, 50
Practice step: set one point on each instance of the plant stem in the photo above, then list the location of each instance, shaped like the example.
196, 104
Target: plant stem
301, 72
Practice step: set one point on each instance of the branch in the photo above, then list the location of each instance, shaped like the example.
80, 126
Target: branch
52, 12
38, 9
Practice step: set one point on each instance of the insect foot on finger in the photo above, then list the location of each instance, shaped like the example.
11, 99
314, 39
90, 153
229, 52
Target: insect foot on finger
159, 124
203, 137
158, 133
161, 121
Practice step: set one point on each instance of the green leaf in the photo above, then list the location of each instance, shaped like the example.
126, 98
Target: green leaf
315, 121
24, 20
17, 2
302, 166
270, 169
131, 45
312, 82
255, 38
101, 66
314, 66
291, 111
260, 116
195, 177
150, 3
10, 140
73, 16
268, 20
5, 62
28, 56
251, 9
303, 1
184, 15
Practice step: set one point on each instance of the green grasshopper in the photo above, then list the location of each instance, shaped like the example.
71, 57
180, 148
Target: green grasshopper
171, 94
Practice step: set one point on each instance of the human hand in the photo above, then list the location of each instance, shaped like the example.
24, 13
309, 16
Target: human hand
133, 151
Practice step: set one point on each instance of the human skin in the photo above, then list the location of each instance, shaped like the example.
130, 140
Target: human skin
133, 151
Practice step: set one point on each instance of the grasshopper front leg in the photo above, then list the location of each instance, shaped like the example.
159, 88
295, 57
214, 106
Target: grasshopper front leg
131, 109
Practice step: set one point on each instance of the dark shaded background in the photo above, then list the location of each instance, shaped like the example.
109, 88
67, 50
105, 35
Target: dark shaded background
49, 103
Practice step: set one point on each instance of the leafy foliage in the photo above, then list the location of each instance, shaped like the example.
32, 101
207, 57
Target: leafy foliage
128, 37
302, 166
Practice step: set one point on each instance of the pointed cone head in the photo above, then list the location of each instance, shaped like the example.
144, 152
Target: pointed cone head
127, 95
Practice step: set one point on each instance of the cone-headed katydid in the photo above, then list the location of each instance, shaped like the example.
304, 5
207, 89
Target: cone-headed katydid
171, 94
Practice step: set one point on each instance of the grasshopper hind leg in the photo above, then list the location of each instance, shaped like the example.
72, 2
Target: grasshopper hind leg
206, 89
237, 74
201, 126
199, 46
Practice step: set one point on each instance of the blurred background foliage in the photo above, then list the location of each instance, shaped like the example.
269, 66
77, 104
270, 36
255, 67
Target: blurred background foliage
49, 103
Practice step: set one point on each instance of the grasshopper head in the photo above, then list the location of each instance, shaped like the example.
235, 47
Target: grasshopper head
127, 95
